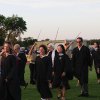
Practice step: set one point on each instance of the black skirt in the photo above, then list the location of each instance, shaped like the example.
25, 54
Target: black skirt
60, 82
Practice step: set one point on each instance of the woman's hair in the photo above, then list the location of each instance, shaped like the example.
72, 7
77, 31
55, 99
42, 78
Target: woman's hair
63, 49
9, 43
44, 47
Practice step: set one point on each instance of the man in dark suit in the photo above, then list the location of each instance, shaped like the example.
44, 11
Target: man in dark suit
22, 64
81, 59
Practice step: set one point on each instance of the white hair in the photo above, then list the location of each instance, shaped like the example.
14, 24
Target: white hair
16, 46
22, 49
51, 45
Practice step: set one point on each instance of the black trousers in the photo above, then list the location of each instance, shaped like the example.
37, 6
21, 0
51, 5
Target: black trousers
32, 73
10, 91
98, 74
84, 86
2, 89
13, 93
21, 75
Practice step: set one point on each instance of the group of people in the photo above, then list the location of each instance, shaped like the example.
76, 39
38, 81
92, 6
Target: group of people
49, 68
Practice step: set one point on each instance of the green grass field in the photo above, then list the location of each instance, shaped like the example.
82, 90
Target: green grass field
31, 93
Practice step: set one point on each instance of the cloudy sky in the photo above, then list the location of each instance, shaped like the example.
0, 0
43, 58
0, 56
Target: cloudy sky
71, 16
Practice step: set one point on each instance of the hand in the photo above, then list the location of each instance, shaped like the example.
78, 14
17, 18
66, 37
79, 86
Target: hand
63, 74
98, 70
34, 45
2, 52
52, 73
6, 80
18, 58
49, 81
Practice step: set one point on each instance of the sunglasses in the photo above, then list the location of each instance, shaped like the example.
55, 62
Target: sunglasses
78, 41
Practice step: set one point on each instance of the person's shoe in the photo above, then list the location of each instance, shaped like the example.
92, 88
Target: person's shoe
86, 95
26, 84
80, 95
59, 96
43, 99
62, 98
99, 81
32, 82
50, 85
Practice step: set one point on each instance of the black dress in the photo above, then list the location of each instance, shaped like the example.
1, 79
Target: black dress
96, 58
11, 88
61, 64
43, 74
2, 82
81, 60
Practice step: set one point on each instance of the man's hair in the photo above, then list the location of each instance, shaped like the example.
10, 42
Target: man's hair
16, 46
51, 45
80, 39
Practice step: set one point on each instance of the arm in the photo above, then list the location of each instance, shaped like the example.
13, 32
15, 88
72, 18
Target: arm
73, 59
67, 47
32, 48
2, 53
69, 69
49, 73
66, 65
89, 58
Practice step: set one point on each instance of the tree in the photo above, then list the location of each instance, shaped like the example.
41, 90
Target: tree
27, 41
11, 27
15, 26
2, 29
2, 21
47, 39
2, 37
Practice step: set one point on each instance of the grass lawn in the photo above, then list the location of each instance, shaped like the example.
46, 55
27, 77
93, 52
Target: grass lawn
31, 93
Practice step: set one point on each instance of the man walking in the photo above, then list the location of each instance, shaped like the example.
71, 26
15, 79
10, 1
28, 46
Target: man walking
81, 59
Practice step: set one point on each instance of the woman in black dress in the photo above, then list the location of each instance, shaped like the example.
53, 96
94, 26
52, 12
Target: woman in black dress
96, 58
43, 73
10, 86
61, 63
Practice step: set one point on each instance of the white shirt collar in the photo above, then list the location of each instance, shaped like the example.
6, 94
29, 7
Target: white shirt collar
80, 47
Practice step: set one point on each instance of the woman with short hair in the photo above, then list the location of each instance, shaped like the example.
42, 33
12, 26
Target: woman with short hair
43, 73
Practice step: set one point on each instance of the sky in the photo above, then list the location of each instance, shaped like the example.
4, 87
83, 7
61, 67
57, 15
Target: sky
71, 17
